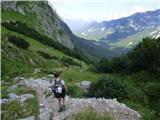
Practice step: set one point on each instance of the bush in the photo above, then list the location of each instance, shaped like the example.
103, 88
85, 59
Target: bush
104, 66
145, 56
68, 61
153, 94
46, 55
19, 42
108, 88
74, 90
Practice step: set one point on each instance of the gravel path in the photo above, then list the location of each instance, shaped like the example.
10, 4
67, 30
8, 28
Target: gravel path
49, 106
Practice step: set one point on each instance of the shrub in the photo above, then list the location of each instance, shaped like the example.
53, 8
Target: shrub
104, 65
145, 56
68, 61
108, 88
19, 42
153, 94
74, 90
46, 55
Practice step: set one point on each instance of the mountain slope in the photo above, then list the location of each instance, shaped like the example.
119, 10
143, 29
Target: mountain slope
38, 15
33, 38
42, 19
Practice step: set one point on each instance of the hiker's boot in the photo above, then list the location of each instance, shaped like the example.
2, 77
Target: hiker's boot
60, 109
64, 107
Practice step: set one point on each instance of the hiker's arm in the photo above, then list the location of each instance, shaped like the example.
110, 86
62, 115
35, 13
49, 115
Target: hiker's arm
52, 84
65, 87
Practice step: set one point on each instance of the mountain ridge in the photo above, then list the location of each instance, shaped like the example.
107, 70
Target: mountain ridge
114, 30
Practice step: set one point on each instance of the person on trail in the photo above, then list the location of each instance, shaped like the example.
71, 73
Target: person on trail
59, 88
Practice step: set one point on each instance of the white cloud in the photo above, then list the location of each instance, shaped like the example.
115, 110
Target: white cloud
138, 9
133, 10
85, 10
100, 1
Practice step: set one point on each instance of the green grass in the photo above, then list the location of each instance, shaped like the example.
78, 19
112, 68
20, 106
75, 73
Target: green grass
16, 110
93, 35
23, 56
29, 18
4, 92
24, 90
90, 114
78, 74
74, 90
146, 113
135, 39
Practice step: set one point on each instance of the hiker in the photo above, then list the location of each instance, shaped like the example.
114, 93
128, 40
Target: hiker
59, 88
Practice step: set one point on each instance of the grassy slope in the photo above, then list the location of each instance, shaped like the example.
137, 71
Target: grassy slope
35, 46
92, 36
16, 62
135, 39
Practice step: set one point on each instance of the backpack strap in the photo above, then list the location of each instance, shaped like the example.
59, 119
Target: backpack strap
57, 81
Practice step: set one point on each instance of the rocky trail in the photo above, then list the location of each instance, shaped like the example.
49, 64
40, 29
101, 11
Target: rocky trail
49, 106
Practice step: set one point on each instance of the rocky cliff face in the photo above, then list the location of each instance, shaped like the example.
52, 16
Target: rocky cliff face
40, 16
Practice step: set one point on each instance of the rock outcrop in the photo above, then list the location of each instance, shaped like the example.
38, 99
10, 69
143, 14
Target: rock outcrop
49, 106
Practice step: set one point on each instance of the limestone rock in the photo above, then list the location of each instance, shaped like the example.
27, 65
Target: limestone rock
12, 88
12, 96
28, 118
24, 97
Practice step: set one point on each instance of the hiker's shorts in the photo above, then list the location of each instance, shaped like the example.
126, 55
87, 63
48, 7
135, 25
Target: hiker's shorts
62, 95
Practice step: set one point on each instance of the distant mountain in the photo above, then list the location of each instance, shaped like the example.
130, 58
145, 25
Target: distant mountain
118, 29
76, 25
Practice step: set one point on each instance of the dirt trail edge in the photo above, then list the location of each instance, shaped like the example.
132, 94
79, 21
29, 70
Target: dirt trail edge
49, 106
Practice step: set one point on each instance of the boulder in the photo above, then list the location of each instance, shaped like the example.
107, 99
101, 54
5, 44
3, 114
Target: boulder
85, 84
24, 97
5, 101
12, 88
28, 118
17, 79
12, 96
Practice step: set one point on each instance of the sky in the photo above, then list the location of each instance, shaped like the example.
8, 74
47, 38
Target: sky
100, 10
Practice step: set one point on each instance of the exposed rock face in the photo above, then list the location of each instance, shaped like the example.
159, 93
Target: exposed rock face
46, 20
48, 105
